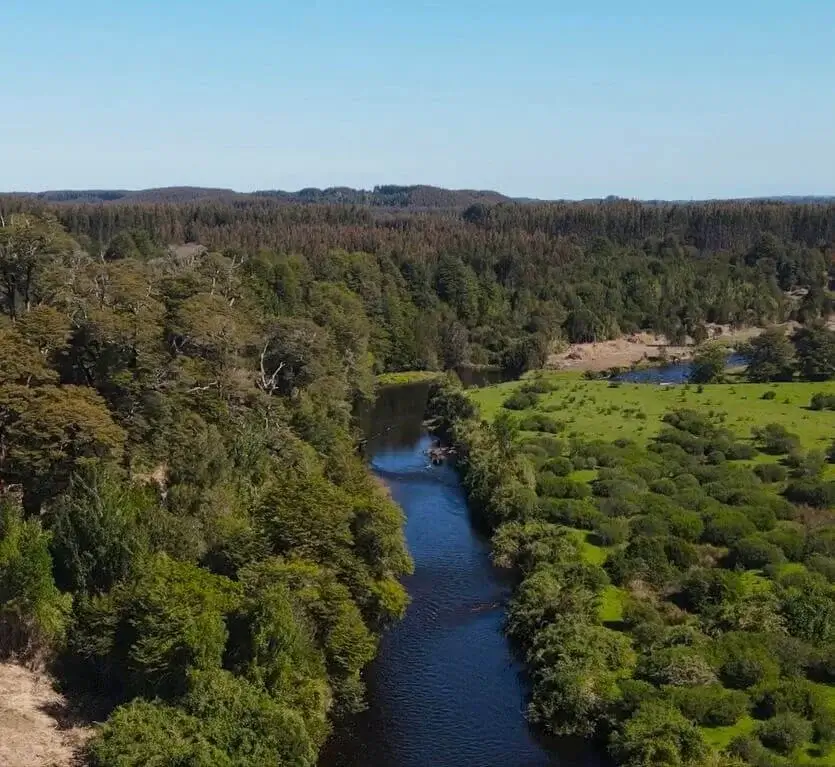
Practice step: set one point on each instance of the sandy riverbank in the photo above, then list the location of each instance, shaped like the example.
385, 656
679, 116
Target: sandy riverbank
638, 347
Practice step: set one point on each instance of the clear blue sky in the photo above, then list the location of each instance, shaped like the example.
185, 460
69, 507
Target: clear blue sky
544, 98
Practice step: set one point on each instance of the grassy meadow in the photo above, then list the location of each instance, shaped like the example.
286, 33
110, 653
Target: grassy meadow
602, 410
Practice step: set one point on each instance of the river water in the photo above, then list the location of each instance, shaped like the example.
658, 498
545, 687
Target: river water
671, 374
445, 689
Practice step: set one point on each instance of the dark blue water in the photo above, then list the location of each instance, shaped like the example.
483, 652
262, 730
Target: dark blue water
672, 374
445, 690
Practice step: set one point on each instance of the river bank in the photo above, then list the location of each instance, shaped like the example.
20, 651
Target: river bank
640, 348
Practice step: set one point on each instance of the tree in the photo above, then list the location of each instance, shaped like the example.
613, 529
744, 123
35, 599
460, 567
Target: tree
770, 357
99, 529
224, 721
48, 431
657, 735
33, 613
708, 364
576, 670
25, 244
815, 349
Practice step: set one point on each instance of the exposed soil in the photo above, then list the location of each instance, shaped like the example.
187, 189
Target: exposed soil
626, 351
37, 727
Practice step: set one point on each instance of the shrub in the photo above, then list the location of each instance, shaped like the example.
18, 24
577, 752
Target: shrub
520, 401
550, 446
613, 531
751, 751
664, 486
796, 696
806, 465
33, 613
559, 467
769, 395
753, 553
658, 734
573, 513
790, 539
548, 484
811, 492
224, 721
775, 439
771, 472
745, 661
727, 527
541, 422
823, 565
785, 732
538, 385
740, 451
822, 401
711, 705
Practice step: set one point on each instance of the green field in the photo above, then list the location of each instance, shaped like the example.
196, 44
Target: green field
600, 410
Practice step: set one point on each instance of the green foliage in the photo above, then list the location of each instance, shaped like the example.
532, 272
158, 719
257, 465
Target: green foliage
99, 529
711, 705
33, 613
708, 364
770, 357
785, 732
657, 735
224, 720
815, 348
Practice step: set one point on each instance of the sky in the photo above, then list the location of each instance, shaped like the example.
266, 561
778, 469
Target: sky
537, 98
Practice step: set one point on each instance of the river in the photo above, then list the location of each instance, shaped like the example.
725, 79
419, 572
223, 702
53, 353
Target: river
445, 689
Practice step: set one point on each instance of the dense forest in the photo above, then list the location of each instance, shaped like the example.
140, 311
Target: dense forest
499, 284
676, 602
187, 530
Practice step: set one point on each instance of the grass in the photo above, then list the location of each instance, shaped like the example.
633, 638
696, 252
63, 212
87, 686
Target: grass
612, 599
719, 737
407, 377
595, 409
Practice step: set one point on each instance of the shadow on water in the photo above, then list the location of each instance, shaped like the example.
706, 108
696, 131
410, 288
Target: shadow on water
445, 689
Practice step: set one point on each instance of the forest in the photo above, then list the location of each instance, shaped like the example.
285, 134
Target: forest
494, 284
189, 534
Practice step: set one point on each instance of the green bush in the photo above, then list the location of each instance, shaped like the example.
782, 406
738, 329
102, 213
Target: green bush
811, 492
785, 732
559, 467
224, 721
711, 705
790, 539
822, 401
754, 553
769, 395
541, 422
549, 485
570, 512
775, 439
823, 565
771, 472
33, 613
752, 752
657, 734
728, 527
521, 401
613, 531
